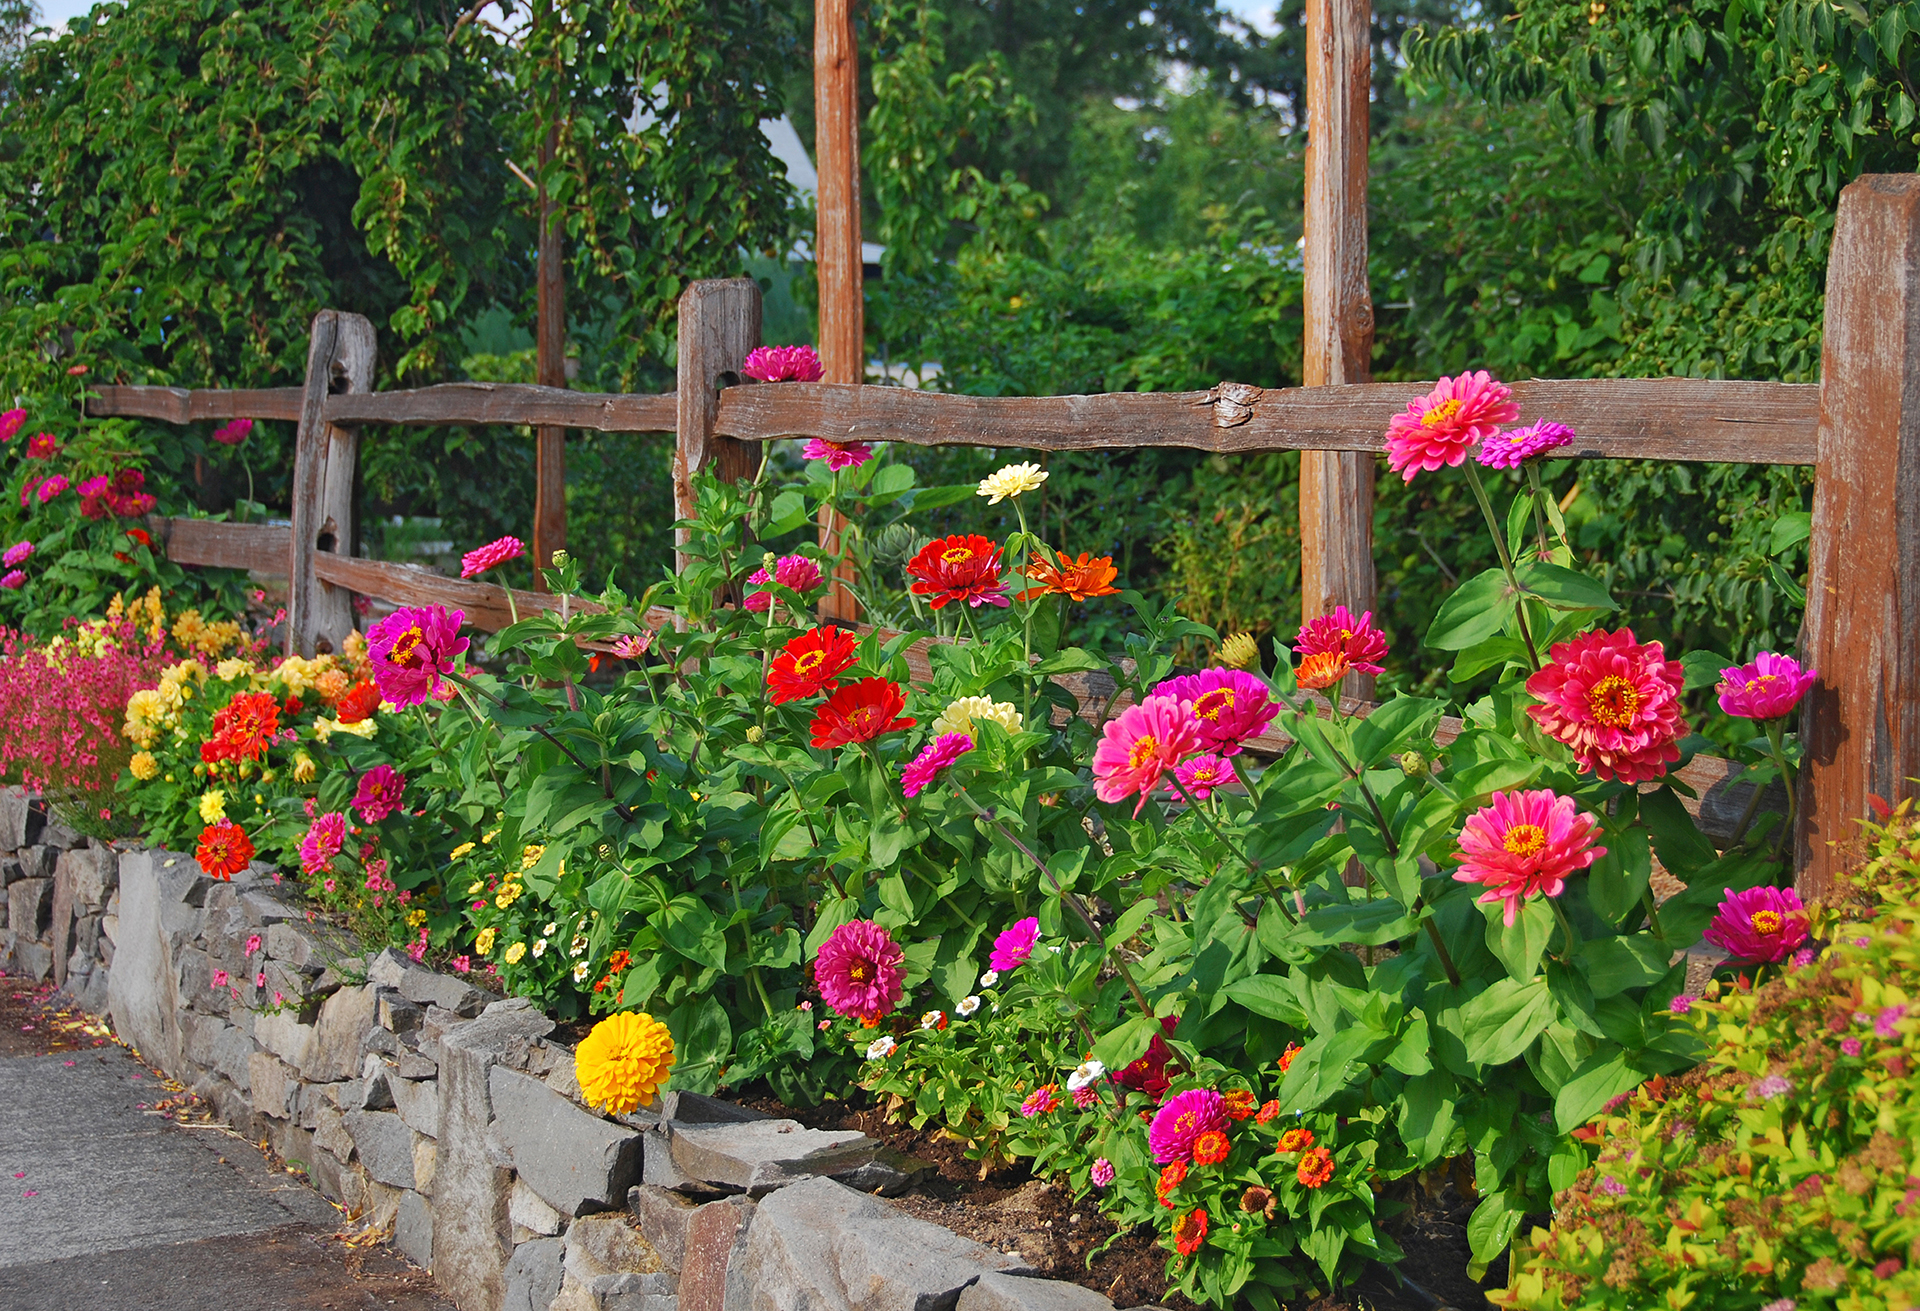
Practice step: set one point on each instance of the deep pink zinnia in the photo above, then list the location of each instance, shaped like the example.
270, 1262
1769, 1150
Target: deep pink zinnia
325, 836
1513, 448
791, 571
42, 446
10, 424
1202, 774
1041, 1101
1184, 1117
380, 792
1761, 925
52, 487
13, 580
1229, 706
858, 970
1525, 843
1012, 948
932, 761
1768, 688
1438, 429
1363, 644
1615, 701
1140, 745
838, 455
17, 554
412, 650
232, 434
783, 364
493, 554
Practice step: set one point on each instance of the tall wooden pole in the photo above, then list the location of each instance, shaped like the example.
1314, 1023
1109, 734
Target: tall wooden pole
550, 341
1336, 487
843, 331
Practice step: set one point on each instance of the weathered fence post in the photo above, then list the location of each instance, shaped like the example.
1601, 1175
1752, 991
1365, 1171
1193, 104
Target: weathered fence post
1862, 731
550, 355
843, 330
339, 359
719, 325
1336, 487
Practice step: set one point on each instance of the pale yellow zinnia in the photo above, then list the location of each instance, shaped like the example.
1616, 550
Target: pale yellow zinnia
623, 1062
213, 806
508, 894
515, 950
960, 715
483, 941
1010, 481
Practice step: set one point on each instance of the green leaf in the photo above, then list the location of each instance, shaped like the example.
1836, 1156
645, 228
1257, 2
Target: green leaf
1791, 528
1617, 964
1703, 668
1518, 945
1503, 1021
1391, 726
1677, 840
1130, 922
1128, 1043
1600, 1078
1477, 609
1426, 1114
1618, 880
1266, 994
1564, 589
789, 512
1070, 661
1319, 1069
1491, 1227
702, 1041
1369, 923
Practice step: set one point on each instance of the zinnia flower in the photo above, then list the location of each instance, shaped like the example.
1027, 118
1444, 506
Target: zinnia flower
1190, 1231
962, 712
858, 970
1438, 429
783, 364
42, 446
633, 645
1358, 640
1239, 1104
1149, 1074
881, 1048
1768, 688
51, 488
361, 700
493, 554
1238, 651
1012, 948
963, 567
622, 1063
932, 761
1010, 481
1761, 925
1074, 579
1202, 774
1266, 1112
966, 1006
1085, 1098
1085, 1075
224, 850
1184, 1117
10, 424
1229, 706
810, 664
412, 650
325, 836
1102, 1173
1041, 1101
1171, 1177
1511, 449
859, 712
13, 580
1293, 1140
17, 553
792, 571
1316, 1167
838, 455
1525, 843
1211, 1148
934, 1020
379, 794
1615, 701
232, 434
1140, 745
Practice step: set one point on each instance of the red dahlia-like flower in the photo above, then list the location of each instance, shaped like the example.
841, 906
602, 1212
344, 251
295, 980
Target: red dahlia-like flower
224, 849
358, 703
860, 712
243, 729
809, 665
963, 567
1189, 1231
1615, 701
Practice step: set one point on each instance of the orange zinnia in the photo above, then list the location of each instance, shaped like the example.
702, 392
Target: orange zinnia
224, 850
1171, 1178
1294, 1140
1316, 1167
1078, 579
1321, 670
1239, 1104
1286, 1057
1211, 1148
1189, 1231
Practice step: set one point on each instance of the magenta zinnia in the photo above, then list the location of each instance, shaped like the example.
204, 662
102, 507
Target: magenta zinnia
232, 434
1229, 706
859, 970
1140, 745
937, 756
792, 571
1615, 701
1523, 844
783, 364
17, 553
1760, 925
492, 555
14, 580
1358, 640
325, 836
1438, 429
412, 650
838, 455
1014, 945
1184, 1118
1768, 688
10, 424
379, 794
1041, 1100
1511, 449
1202, 774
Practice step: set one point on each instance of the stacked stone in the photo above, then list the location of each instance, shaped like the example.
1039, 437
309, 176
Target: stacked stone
55, 898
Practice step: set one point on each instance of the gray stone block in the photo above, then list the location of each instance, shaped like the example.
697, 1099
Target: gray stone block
379, 1040
264, 910
526, 1209
86, 934
95, 872
758, 1156
602, 1245
579, 1163
532, 1275
410, 1064
344, 1020
294, 945
385, 1145
60, 924
30, 907
819, 1244
183, 883
432, 989
38, 861
271, 1085
413, 1230
388, 967
93, 997
330, 1133
20, 824
998, 1292
663, 1216
698, 1108
200, 1036
281, 1033
196, 981
233, 1052
34, 960
418, 1103
396, 1014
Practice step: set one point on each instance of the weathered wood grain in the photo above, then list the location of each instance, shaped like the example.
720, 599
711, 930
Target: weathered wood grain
262, 548
340, 354
514, 403
843, 331
179, 405
1862, 627
1616, 418
550, 367
719, 325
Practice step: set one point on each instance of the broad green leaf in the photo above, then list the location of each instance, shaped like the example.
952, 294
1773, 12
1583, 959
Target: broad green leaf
1703, 668
1791, 528
1477, 609
1426, 1114
1367, 922
1677, 840
1600, 1078
1618, 880
1319, 1070
1268, 995
1518, 945
1564, 589
1503, 1021
1391, 726
1491, 1227
1617, 964
1128, 1043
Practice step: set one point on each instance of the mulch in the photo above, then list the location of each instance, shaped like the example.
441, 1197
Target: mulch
36, 1020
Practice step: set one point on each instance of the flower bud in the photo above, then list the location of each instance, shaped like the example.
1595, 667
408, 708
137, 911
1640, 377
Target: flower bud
1413, 764
560, 559
756, 734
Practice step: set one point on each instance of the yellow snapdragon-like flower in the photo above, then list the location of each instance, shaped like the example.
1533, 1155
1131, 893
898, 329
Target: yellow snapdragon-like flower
623, 1062
515, 950
530, 856
303, 767
460, 851
1239, 651
483, 941
213, 806
415, 918
959, 717
324, 728
143, 766
233, 670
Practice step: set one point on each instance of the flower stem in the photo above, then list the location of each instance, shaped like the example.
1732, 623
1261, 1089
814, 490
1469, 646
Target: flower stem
1566, 928
1440, 947
1026, 627
1266, 879
1539, 508
1786, 778
1506, 561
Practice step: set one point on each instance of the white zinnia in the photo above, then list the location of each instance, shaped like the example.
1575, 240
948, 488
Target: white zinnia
931, 1020
1084, 1075
967, 1006
990, 978
880, 1048
580, 972
960, 715
539, 948
1011, 481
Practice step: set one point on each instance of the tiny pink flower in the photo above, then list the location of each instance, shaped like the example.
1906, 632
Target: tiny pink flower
1363, 645
260, 979
1041, 1101
838, 455
462, 964
232, 434
52, 487
380, 793
253, 944
1102, 1174
1085, 1097
220, 978
1851, 1046
1513, 448
633, 646
42, 446
1201, 774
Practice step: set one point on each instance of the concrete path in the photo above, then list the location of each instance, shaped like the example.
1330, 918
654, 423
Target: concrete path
109, 1205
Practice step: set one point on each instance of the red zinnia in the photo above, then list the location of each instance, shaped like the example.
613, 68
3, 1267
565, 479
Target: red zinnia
1189, 1231
963, 567
1211, 1148
1267, 1111
243, 729
1239, 1104
361, 700
1294, 1140
1316, 1167
809, 665
1171, 1177
224, 850
1615, 701
860, 712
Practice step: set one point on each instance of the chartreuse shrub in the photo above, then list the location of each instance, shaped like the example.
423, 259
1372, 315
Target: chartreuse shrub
1780, 1173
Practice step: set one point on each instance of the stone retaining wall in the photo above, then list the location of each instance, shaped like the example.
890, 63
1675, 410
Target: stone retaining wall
418, 1102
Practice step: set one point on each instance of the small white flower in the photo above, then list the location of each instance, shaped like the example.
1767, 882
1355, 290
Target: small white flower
880, 1048
990, 978
580, 972
578, 945
1084, 1075
1054, 947
1011, 480
967, 1006
931, 1020
539, 948
549, 931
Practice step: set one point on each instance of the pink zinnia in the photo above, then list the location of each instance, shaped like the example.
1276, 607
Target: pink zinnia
10, 424
380, 792
1141, 745
14, 579
1511, 449
1438, 429
1012, 948
1102, 1173
859, 970
935, 758
42, 446
759, 602
1761, 925
633, 646
1184, 1117
1768, 688
1202, 774
52, 487
17, 553
1363, 645
783, 364
493, 554
325, 836
1229, 706
232, 434
1085, 1097
413, 649
1615, 701
794, 571
838, 455
1525, 843
1041, 1101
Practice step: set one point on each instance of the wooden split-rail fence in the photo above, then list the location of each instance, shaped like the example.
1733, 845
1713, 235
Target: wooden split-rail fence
1862, 721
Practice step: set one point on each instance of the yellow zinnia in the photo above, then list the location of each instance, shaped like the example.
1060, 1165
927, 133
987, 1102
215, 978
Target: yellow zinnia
213, 806
623, 1062
483, 941
959, 717
515, 951
1010, 481
143, 766
460, 851
530, 855
508, 894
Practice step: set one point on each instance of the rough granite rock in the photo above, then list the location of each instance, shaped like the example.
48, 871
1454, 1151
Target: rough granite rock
430, 989
271, 1085
532, 1276
578, 1163
281, 1033
344, 1019
417, 1101
385, 1145
30, 906
610, 1267
233, 1052
413, 1229
526, 1209
663, 1216
758, 1156
998, 1292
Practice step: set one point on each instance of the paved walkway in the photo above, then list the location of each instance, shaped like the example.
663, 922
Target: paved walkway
108, 1204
